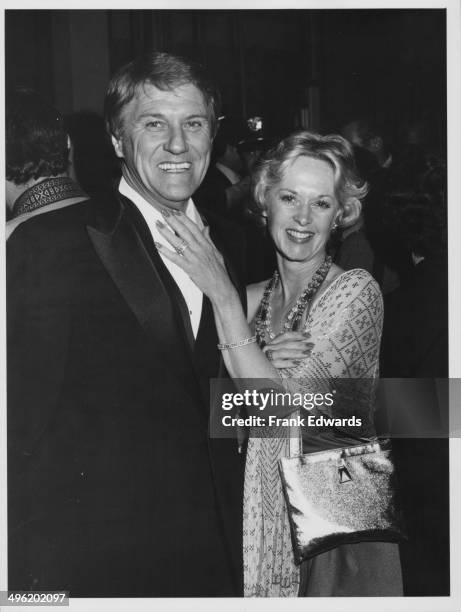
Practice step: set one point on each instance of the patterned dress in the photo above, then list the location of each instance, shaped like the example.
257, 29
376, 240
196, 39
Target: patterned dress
345, 325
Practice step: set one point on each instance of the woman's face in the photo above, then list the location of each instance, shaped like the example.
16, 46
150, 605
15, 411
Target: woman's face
301, 209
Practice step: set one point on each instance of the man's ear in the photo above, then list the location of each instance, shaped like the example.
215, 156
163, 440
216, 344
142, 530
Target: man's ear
217, 127
118, 147
350, 213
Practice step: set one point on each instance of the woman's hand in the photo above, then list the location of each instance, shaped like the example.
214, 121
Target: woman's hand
288, 349
195, 253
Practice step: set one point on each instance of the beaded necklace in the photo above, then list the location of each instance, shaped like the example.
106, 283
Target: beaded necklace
291, 321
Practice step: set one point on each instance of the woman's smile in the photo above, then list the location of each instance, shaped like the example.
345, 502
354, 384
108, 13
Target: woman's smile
299, 236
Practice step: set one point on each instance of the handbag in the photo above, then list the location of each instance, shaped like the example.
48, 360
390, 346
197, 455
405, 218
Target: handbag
341, 496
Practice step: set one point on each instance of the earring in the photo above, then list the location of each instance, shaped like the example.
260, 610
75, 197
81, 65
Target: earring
335, 226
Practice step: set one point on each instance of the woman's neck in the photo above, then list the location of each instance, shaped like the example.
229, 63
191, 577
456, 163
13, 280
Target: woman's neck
295, 275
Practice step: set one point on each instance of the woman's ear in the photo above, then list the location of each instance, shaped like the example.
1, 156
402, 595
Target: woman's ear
350, 213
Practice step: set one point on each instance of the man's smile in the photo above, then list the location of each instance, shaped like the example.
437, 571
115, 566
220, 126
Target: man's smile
174, 166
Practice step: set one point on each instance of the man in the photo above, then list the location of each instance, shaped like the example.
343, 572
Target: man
115, 489
224, 171
361, 245
368, 134
37, 152
225, 193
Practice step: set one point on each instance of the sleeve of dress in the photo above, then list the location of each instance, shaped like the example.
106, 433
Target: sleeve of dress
345, 326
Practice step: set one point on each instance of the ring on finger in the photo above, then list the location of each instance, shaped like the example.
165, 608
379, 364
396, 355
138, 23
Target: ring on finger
182, 247
270, 354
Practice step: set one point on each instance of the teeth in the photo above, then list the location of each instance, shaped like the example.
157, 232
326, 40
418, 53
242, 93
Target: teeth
169, 166
297, 234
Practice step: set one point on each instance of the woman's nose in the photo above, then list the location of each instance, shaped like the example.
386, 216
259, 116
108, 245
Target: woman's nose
303, 214
176, 142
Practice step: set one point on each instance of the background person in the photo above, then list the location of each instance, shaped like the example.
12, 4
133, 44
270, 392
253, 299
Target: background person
415, 346
94, 164
224, 171
227, 192
37, 159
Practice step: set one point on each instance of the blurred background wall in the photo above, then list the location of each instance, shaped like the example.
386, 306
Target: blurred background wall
296, 68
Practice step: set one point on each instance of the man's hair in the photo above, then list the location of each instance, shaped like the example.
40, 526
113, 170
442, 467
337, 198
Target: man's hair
368, 129
164, 71
333, 149
36, 139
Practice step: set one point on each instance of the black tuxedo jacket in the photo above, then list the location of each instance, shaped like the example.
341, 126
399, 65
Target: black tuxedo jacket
114, 487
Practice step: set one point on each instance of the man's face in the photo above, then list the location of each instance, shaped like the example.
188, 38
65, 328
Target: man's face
353, 134
165, 142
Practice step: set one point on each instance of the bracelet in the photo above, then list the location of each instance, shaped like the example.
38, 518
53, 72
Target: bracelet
231, 345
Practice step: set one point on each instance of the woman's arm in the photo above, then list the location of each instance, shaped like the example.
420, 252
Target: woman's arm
205, 266
345, 324
254, 297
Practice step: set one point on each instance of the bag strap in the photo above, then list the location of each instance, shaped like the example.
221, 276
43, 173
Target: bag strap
296, 440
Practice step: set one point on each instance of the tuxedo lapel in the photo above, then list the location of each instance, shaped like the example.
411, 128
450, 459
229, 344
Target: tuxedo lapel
138, 274
206, 355
126, 249
170, 285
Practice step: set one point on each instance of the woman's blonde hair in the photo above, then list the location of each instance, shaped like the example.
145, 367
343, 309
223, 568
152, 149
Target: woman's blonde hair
333, 149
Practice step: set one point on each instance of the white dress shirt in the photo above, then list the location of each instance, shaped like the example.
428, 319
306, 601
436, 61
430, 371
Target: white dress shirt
192, 294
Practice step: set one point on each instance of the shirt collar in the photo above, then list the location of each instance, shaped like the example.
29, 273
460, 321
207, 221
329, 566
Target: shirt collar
150, 211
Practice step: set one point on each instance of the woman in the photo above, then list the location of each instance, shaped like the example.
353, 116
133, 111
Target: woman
306, 188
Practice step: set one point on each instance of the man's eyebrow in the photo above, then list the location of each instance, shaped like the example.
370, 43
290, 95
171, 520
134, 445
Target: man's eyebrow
151, 114
162, 116
201, 116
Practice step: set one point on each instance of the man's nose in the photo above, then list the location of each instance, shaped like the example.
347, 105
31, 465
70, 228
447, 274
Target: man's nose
176, 142
303, 215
